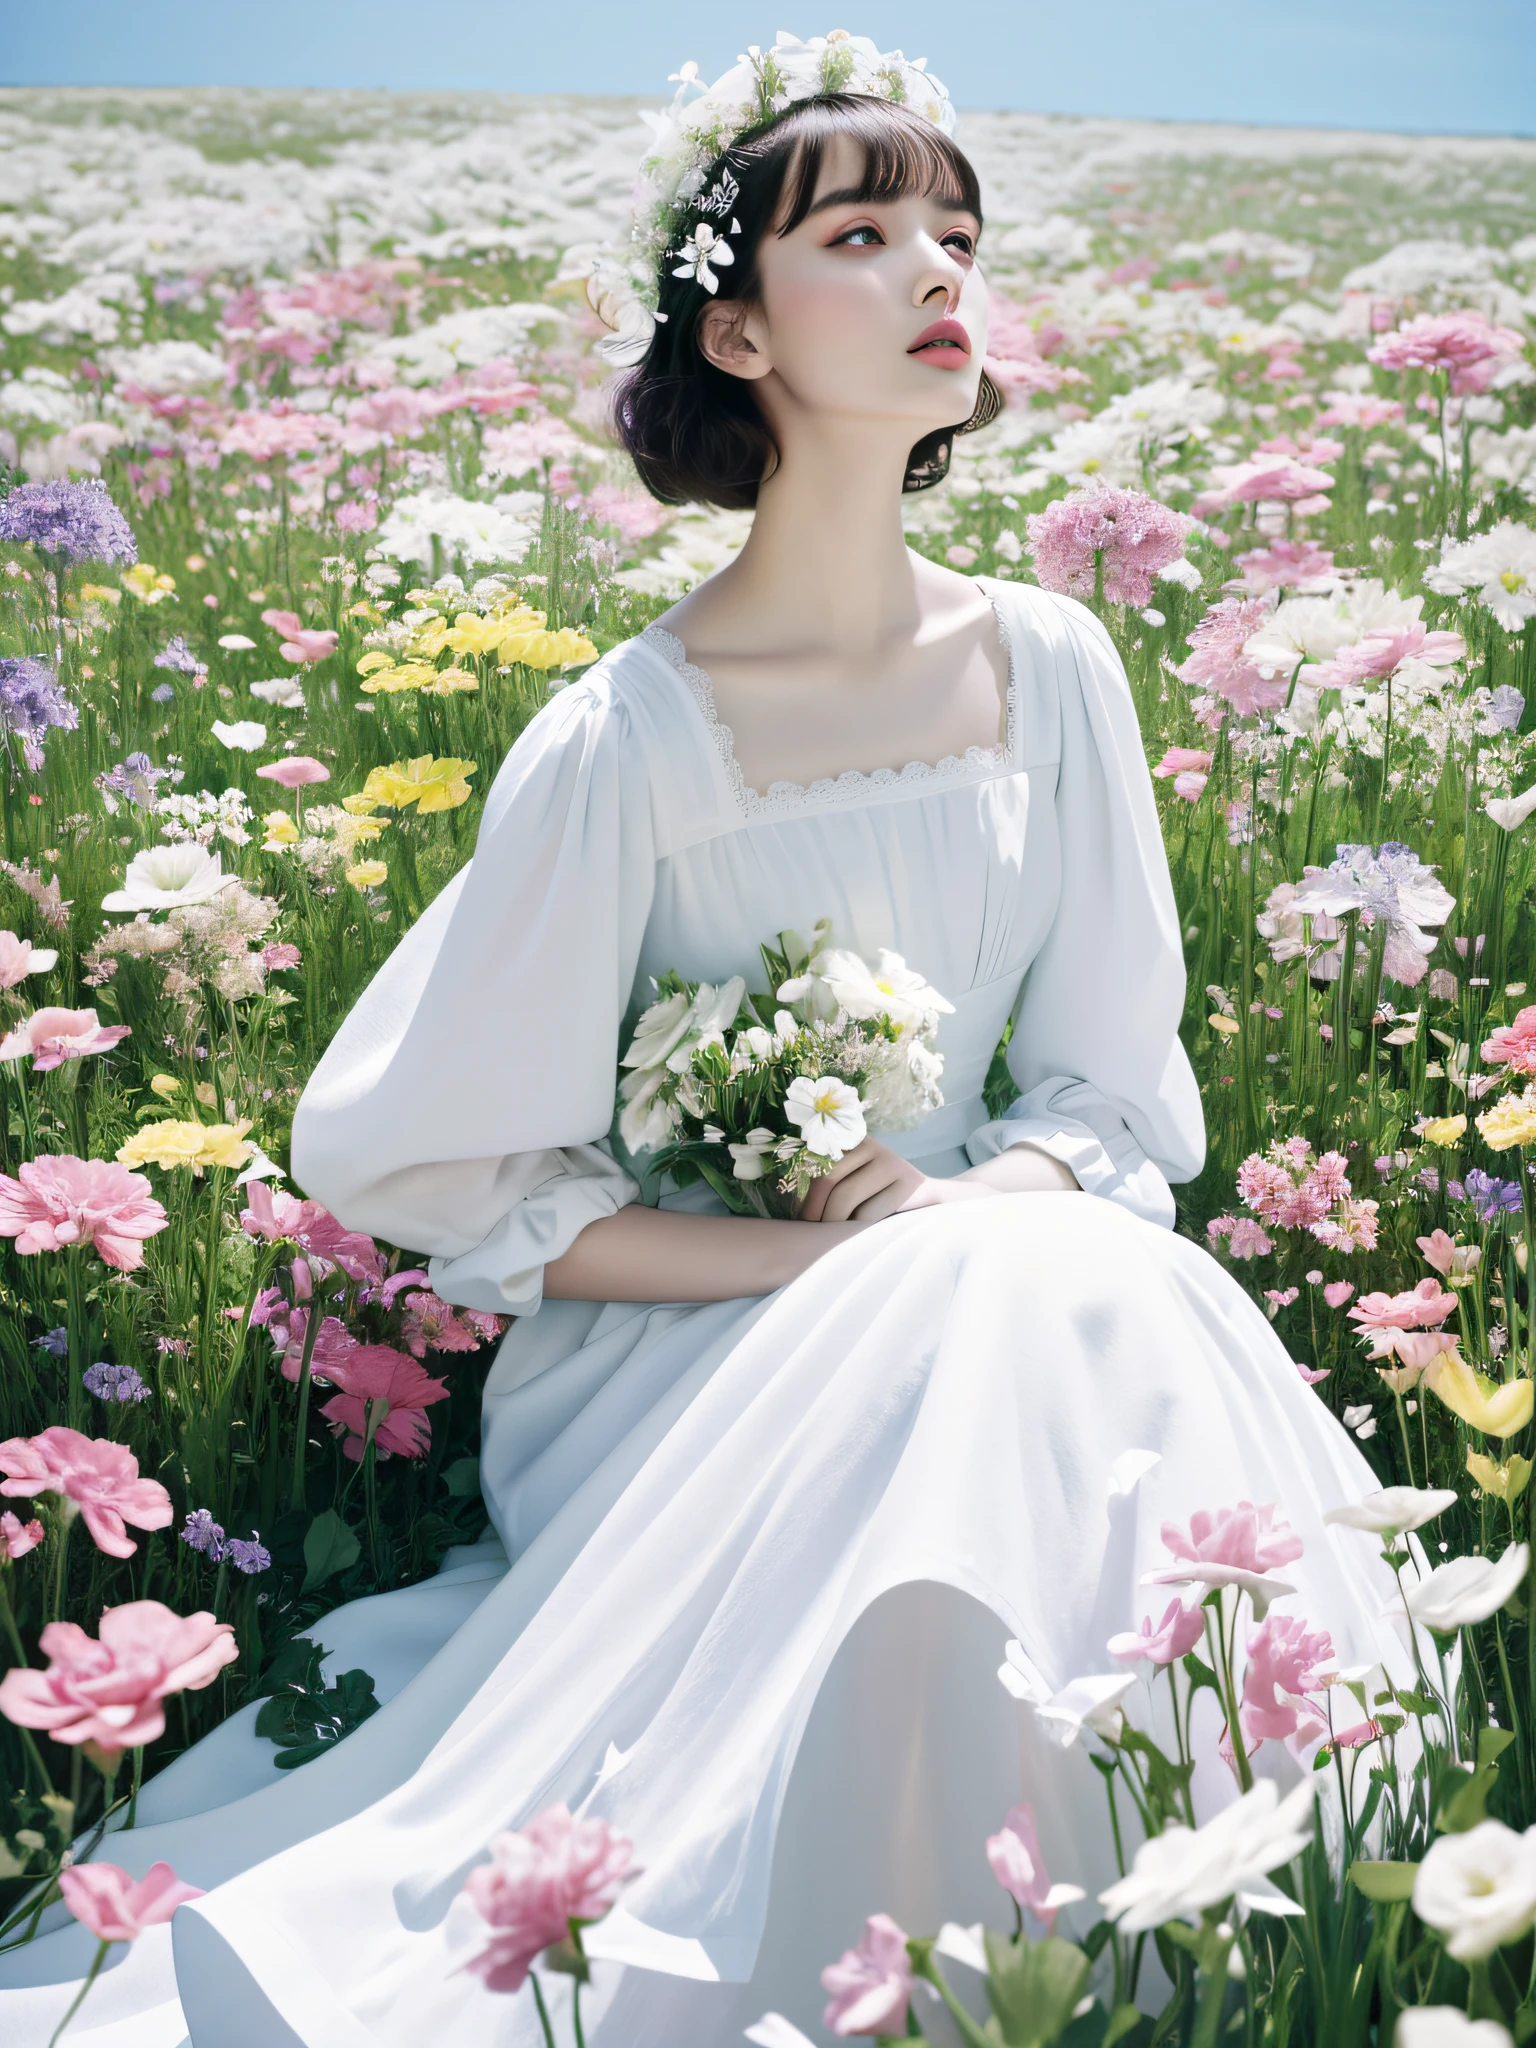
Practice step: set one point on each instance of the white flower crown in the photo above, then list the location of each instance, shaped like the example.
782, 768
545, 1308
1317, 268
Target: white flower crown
699, 126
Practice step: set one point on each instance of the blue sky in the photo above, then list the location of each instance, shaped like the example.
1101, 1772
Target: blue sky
1434, 66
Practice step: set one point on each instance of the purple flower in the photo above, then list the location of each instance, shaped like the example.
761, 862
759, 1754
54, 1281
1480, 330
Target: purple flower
202, 1532
1134, 534
178, 655
162, 693
136, 778
54, 1342
1506, 708
31, 702
1490, 1198
247, 1557
114, 1382
74, 519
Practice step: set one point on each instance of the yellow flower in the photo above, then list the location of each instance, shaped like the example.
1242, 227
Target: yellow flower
1482, 1405
410, 675
1227, 1026
359, 805
350, 833
1442, 1130
432, 785
174, 1142
164, 1084
100, 593
446, 681
367, 874
142, 582
470, 634
535, 648
280, 831
1511, 1121
1505, 1482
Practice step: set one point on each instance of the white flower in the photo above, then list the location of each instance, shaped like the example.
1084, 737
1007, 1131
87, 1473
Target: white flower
1447, 2026
1092, 1703
286, 692
711, 1010
245, 734
750, 1161
829, 1113
1511, 812
236, 643
167, 877
889, 989
1299, 629
1182, 1871
1478, 1889
647, 1119
965, 1945
774, 2031
1496, 569
657, 1030
1468, 1589
704, 248
1392, 1509
501, 531
1182, 572
19, 958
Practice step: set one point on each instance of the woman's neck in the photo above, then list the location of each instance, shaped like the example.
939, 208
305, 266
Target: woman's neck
826, 567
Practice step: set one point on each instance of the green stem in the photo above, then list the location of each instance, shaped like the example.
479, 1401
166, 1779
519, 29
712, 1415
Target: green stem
538, 1999
970, 2033
312, 1323
79, 1997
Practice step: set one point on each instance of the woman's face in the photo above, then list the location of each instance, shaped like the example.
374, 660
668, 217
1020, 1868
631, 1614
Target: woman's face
869, 309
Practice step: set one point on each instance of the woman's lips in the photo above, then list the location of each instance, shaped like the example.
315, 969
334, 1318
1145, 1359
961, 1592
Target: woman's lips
945, 343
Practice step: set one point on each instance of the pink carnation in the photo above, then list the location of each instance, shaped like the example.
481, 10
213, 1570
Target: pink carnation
294, 770
1465, 344
118, 1907
1286, 1662
109, 1691
1134, 534
1284, 565
59, 1201
19, 1537
1514, 1045
871, 1985
1217, 663
53, 1036
1163, 1642
100, 1477
539, 1879
1418, 1309
377, 1372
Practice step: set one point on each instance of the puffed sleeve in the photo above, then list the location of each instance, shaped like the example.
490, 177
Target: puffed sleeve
463, 1107
1106, 1085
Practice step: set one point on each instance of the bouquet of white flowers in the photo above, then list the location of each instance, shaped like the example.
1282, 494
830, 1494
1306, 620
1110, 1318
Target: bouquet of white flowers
759, 1094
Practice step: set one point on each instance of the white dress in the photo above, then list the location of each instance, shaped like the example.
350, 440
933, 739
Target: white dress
765, 1553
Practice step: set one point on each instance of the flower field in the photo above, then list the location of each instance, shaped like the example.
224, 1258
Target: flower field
308, 502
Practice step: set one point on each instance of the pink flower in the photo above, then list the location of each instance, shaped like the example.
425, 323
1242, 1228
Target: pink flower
1018, 1866
1277, 478
1417, 1309
1285, 564
100, 1477
377, 1372
272, 1214
635, 514
1217, 663
1416, 1349
1514, 1045
109, 1692
54, 1036
430, 1324
300, 642
1245, 1536
1465, 344
1163, 1642
1135, 535
1382, 654
1190, 786
1279, 1298
117, 1907
1356, 1737
1359, 409
280, 955
1176, 759
871, 1985
1245, 1238
294, 770
357, 516
1286, 1662
1337, 1292
19, 1537
58, 1201
540, 1879
19, 958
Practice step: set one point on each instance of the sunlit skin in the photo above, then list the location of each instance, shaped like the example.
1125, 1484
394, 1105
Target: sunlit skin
832, 645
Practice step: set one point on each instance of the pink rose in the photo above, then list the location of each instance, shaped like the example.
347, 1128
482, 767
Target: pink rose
871, 1985
109, 1691
539, 1879
100, 1477
117, 1907
1163, 1642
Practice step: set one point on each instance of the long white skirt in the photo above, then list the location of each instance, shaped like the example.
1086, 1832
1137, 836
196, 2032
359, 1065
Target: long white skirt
766, 1555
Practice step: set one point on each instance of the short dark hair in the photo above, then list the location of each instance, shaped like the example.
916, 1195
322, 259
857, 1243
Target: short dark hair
696, 433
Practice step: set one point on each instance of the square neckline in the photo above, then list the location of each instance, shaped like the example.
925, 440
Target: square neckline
783, 799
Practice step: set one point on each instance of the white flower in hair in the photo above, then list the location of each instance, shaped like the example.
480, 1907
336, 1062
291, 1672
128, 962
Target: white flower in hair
703, 249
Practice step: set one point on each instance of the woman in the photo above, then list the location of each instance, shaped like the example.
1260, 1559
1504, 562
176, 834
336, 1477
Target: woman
774, 1492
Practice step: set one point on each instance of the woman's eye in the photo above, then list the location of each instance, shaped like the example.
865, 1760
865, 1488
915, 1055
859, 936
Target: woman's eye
960, 242
847, 238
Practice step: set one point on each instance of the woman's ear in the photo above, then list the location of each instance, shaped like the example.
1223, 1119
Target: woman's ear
731, 337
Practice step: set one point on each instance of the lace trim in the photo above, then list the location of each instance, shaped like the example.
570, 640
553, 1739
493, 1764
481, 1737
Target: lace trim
782, 799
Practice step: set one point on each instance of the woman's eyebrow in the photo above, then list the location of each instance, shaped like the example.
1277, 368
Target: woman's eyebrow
854, 195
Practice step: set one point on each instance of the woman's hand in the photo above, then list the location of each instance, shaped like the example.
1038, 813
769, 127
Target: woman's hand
872, 1181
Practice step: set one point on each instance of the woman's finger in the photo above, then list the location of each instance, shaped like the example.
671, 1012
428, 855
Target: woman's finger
813, 1208
855, 1188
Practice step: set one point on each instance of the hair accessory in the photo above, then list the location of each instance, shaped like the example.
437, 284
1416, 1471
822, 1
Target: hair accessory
699, 126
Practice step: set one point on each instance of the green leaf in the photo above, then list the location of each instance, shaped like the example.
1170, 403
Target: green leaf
1385, 1884
1200, 1673
305, 1721
1464, 1793
1033, 1987
329, 1547
462, 1478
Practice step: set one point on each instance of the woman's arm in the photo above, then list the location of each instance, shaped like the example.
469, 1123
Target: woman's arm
644, 1254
